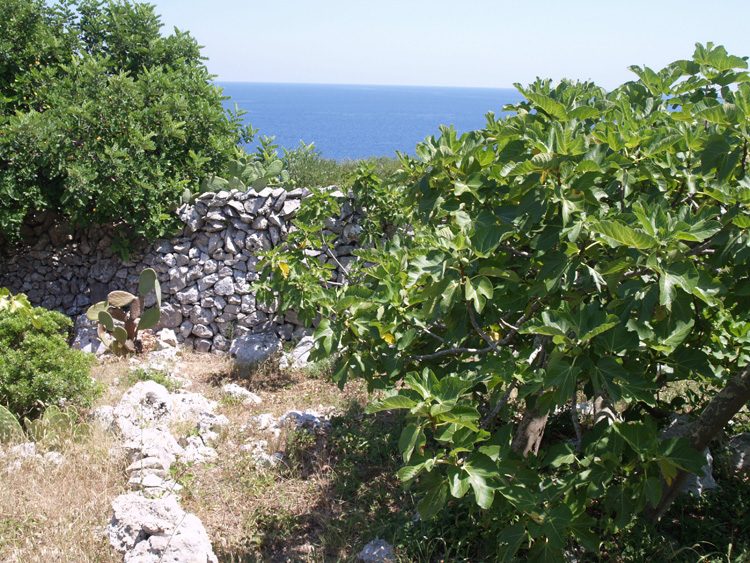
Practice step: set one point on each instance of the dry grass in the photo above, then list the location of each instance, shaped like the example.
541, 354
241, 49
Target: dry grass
58, 513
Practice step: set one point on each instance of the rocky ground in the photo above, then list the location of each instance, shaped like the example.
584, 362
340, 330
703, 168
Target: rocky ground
191, 458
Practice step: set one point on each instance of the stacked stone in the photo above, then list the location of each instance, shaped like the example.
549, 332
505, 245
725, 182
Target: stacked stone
205, 272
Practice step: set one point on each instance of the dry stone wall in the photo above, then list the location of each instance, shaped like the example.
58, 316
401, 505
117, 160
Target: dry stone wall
205, 271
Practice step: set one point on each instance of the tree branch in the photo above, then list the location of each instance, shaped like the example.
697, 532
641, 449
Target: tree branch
515, 251
504, 399
576, 422
448, 352
714, 417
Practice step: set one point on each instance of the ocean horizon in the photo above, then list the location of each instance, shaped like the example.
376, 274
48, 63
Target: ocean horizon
348, 121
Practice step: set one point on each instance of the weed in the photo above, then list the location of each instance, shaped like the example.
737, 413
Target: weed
150, 374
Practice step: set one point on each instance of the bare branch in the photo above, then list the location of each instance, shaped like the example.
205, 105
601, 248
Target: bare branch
515, 251
480, 332
449, 352
507, 325
576, 422
428, 331
636, 273
504, 399
699, 249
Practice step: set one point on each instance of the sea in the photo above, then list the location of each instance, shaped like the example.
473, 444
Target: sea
356, 121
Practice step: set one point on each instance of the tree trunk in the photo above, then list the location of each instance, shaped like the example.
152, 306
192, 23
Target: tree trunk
528, 436
604, 409
719, 411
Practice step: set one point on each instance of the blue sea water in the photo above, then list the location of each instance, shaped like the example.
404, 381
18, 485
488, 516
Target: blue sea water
355, 121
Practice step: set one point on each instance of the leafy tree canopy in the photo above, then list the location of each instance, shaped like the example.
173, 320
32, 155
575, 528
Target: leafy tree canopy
103, 119
589, 246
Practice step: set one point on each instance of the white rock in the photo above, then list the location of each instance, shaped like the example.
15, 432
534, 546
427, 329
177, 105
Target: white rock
739, 451
86, 338
157, 531
104, 416
377, 551
237, 392
156, 465
192, 406
140, 480
298, 358
167, 338
206, 424
196, 451
263, 421
27, 449
257, 451
55, 458
253, 349
308, 419
153, 442
145, 404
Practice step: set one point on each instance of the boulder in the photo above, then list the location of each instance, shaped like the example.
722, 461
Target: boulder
254, 349
145, 404
298, 358
695, 485
85, 337
157, 531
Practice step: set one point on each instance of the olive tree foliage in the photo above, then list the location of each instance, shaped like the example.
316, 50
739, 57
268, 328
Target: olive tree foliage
101, 118
587, 246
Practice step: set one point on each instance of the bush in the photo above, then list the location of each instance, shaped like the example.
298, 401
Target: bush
309, 168
102, 119
38, 368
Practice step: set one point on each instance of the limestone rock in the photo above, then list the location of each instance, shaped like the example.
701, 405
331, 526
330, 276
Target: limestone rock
145, 404
739, 451
377, 551
196, 451
237, 392
695, 485
166, 339
253, 349
171, 317
157, 531
86, 338
298, 358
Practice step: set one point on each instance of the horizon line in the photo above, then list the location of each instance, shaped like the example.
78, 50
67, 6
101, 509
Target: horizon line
364, 84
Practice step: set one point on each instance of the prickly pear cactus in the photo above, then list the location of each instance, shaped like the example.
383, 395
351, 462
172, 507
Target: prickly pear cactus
123, 315
10, 429
242, 174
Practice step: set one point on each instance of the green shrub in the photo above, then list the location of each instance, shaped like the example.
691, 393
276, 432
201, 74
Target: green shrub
309, 168
38, 368
102, 119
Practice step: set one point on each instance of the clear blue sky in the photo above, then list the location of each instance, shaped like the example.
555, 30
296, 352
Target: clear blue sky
451, 42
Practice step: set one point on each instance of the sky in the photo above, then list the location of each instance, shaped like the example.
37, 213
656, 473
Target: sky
464, 43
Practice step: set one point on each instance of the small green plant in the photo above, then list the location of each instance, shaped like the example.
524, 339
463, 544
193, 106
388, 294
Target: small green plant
18, 304
121, 339
150, 374
37, 367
